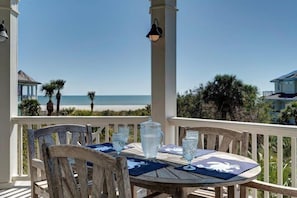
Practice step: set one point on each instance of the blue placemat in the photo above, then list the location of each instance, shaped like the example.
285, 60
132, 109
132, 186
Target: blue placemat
140, 166
221, 168
104, 147
178, 150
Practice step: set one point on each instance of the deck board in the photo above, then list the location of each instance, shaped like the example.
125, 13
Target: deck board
21, 189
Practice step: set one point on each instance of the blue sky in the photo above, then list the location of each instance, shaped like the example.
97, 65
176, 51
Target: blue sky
100, 46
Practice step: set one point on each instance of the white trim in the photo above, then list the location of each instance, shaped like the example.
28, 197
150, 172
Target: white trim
4, 8
162, 7
13, 11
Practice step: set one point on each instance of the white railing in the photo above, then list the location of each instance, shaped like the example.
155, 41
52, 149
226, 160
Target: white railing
98, 123
261, 134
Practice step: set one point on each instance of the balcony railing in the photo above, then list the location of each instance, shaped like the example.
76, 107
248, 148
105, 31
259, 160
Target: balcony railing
262, 148
102, 126
273, 146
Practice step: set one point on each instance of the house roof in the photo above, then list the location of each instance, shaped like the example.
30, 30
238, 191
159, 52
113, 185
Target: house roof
281, 96
23, 78
287, 77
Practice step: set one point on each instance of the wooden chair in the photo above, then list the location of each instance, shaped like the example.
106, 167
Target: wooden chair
219, 139
67, 172
54, 134
273, 188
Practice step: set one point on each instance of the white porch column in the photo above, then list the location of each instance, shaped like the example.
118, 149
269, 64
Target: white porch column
8, 87
164, 65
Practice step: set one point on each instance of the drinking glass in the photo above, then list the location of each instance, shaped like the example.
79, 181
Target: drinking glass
190, 134
189, 152
118, 142
125, 131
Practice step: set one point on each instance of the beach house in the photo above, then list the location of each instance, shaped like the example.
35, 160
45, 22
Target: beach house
285, 91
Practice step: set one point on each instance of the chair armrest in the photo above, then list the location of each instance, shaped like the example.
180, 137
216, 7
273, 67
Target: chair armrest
275, 188
37, 163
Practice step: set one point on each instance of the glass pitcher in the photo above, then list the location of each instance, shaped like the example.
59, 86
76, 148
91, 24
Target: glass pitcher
151, 138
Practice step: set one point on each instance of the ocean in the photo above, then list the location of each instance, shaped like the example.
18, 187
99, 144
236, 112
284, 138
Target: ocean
100, 100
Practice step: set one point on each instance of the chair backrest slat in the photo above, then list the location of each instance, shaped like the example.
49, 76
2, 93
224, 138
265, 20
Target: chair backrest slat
98, 183
225, 144
53, 134
211, 141
80, 134
220, 139
81, 170
67, 178
112, 171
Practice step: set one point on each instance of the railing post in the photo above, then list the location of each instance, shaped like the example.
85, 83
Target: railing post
294, 156
20, 150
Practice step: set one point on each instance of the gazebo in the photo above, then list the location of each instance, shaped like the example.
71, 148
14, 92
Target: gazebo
27, 87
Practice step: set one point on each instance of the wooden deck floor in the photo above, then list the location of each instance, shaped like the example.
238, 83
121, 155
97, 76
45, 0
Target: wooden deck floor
21, 189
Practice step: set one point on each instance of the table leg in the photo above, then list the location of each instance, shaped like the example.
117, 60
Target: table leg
218, 192
231, 191
133, 191
243, 191
180, 193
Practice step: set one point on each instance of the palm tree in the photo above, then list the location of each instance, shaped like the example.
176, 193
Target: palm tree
91, 95
49, 89
59, 84
226, 92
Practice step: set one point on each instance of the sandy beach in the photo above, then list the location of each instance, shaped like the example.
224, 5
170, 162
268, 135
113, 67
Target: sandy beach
99, 107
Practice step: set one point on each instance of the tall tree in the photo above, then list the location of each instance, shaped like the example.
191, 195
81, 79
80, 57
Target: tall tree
190, 104
91, 95
49, 89
226, 93
59, 84
250, 94
263, 111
